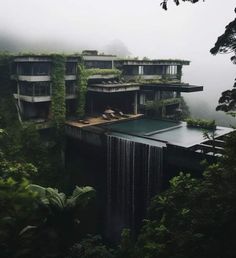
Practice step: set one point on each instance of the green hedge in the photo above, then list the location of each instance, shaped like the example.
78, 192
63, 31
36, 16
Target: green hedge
97, 71
201, 123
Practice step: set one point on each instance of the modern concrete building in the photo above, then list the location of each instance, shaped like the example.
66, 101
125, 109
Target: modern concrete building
123, 84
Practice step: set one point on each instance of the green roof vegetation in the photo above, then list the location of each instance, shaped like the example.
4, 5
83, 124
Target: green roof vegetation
97, 71
205, 124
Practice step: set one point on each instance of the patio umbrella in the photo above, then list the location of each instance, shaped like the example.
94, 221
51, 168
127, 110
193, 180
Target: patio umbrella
109, 111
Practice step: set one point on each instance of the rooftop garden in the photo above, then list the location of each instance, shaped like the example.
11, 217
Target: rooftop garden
98, 71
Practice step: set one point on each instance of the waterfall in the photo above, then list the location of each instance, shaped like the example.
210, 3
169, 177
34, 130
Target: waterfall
134, 175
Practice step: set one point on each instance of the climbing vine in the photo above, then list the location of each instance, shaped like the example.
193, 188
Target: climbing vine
8, 111
58, 106
82, 83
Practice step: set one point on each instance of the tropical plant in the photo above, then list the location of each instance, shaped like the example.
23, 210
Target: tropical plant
58, 105
194, 217
58, 228
201, 123
18, 208
90, 247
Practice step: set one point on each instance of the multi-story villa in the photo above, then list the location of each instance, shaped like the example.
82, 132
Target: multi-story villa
123, 84
131, 158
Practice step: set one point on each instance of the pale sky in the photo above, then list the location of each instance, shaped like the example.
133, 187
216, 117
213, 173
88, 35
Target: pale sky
186, 32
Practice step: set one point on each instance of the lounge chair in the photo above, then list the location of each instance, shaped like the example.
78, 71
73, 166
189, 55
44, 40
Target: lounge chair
113, 116
122, 114
104, 116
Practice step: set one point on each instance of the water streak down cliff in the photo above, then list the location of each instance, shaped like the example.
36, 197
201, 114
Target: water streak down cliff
134, 176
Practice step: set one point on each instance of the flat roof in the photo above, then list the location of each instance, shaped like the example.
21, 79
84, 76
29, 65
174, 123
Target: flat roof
179, 87
114, 87
153, 62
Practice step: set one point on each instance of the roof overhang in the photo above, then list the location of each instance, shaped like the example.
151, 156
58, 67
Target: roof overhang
111, 88
172, 87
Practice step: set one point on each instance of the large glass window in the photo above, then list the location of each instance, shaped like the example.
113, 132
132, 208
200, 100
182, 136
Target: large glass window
70, 87
153, 70
34, 68
35, 88
42, 89
98, 64
131, 70
70, 68
171, 69
26, 88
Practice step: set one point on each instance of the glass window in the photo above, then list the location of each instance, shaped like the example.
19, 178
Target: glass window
34, 69
70, 68
131, 70
26, 88
98, 64
41, 89
70, 87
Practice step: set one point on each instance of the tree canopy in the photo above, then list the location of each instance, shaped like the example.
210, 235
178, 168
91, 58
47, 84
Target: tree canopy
164, 4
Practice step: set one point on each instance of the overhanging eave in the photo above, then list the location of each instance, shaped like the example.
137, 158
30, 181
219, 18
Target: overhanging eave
173, 87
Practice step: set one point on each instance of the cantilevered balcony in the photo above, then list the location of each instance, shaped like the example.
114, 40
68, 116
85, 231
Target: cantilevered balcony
177, 87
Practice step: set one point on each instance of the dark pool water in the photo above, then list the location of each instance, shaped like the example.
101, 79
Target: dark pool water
176, 133
141, 126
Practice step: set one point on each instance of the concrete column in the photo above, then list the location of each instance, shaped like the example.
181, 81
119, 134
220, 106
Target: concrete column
91, 104
157, 95
18, 97
135, 103
178, 94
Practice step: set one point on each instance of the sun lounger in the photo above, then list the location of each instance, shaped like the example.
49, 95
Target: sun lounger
105, 117
122, 114
113, 116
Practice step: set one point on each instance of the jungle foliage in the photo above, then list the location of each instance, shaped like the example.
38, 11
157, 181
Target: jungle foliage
58, 105
82, 84
201, 123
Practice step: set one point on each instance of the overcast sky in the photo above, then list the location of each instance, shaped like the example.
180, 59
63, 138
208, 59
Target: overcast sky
139, 26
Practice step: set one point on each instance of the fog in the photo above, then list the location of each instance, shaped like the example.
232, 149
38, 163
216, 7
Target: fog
135, 28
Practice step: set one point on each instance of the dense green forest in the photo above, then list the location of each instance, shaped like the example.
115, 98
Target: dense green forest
39, 217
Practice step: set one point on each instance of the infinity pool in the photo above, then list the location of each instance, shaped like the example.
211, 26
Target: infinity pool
141, 126
176, 133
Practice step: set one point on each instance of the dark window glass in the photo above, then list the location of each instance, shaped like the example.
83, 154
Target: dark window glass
25, 69
34, 89
41, 89
70, 68
152, 70
34, 69
149, 95
70, 87
26, 88
131, 70
98, 64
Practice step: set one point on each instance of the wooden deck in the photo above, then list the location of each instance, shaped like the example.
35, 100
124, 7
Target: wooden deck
99, 120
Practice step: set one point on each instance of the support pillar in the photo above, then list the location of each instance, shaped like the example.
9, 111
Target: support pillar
178, 94
135, 103
91, 104
157, 95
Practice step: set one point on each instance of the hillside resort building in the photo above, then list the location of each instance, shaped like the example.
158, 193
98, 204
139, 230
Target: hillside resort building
123, 117
121, 84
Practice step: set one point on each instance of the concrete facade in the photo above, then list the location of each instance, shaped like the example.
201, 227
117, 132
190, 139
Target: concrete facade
140, 81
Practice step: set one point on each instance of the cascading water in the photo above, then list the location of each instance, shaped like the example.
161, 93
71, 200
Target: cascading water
134, 175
